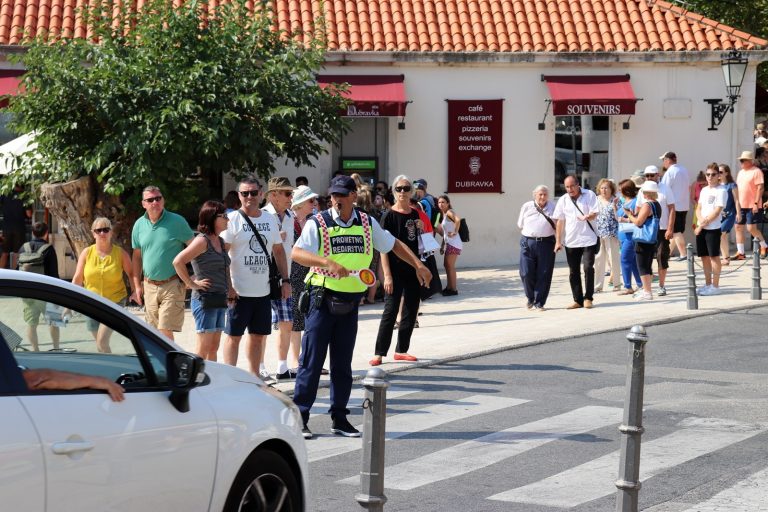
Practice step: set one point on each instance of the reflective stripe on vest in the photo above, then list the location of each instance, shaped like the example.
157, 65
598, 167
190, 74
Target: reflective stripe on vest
351, 247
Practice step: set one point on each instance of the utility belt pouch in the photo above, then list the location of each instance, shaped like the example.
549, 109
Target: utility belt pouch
338, 306
304, 299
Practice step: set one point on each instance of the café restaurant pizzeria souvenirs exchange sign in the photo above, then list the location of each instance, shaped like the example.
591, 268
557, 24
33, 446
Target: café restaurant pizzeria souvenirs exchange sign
474, 145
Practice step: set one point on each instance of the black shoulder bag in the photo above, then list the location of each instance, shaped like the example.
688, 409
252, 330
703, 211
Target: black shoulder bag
549, 219
597, 245
275, 289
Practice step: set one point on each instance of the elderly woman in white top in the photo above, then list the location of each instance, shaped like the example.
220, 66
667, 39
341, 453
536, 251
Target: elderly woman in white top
537, 247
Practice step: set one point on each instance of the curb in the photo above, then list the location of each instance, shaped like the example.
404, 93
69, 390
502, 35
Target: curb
497, 350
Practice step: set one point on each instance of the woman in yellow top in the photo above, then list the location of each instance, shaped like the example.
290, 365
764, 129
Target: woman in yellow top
100, 269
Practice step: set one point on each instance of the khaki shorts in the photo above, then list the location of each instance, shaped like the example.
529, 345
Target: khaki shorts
33, 309
164, 304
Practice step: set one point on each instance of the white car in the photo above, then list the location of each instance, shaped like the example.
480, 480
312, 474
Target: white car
189, 436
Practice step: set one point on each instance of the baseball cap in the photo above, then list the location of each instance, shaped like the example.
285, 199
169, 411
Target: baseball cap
342, 185
669, 154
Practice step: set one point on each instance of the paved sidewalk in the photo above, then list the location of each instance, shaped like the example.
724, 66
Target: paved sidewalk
489, 315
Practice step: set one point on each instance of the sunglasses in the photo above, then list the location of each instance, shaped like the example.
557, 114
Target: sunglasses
406, 188
155, 199
711, 175
102, 231
222, 216
252, 193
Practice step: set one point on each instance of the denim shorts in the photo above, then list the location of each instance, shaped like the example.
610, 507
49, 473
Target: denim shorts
207, 320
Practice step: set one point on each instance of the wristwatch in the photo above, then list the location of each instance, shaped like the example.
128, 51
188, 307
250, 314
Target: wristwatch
284, 280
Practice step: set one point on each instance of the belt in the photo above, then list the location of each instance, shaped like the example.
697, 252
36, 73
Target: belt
158, 283
541, 238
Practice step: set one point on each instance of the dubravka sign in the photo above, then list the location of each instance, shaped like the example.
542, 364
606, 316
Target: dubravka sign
474, 145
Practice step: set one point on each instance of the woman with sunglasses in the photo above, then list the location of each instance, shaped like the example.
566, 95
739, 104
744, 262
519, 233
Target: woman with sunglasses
100, 269
210, 282
731, 213
400, 279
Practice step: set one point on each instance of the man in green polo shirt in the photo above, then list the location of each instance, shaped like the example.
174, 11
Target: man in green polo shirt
157, 237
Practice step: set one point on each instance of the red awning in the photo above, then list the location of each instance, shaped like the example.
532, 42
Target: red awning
591, 95
371, 95
9, 85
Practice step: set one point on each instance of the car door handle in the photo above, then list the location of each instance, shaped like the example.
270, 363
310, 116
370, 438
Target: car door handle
68, 447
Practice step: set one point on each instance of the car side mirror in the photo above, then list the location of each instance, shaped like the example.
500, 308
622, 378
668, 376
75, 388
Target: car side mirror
185, 371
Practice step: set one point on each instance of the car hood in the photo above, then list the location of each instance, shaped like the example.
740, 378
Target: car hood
232, 372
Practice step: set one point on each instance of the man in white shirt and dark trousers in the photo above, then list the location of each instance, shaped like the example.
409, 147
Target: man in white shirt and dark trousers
676, 178
709, 211
279, 194
537, 254
575, 213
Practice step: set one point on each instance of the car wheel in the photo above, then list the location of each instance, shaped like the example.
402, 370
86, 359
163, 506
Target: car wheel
265, 483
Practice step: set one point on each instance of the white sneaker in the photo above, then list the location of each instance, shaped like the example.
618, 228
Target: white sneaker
662, 291
264, 374
644, 296
714, 290
704, 290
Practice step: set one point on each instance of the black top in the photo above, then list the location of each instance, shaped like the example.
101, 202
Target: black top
403, 227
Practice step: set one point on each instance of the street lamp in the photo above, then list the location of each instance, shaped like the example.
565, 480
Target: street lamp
734, 68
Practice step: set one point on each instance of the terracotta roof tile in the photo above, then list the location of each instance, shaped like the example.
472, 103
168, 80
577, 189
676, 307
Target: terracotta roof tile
444, 25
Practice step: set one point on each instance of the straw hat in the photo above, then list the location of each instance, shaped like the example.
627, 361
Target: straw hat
747, 155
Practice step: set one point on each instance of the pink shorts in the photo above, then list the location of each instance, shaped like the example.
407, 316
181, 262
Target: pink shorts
449, 249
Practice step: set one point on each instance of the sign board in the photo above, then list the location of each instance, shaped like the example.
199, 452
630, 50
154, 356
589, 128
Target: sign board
474, 145
348, 164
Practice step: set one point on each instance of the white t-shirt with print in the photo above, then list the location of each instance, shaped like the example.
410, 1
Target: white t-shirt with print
710, 199
250, 266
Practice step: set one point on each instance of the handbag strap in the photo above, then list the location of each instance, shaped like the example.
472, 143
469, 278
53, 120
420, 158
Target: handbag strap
258, 239
581, 212
541, 211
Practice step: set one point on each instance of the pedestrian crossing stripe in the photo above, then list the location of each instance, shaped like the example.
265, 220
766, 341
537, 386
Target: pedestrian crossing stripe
493, 448
595, 478
417, 420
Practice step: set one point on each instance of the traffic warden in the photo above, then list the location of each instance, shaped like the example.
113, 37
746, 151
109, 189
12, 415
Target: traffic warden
335, 244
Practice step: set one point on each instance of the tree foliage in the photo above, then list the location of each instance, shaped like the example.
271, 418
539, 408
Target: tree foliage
747, 15
161, 94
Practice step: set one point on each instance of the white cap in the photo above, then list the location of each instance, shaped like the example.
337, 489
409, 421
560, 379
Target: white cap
301, 194
650, 186
651, 169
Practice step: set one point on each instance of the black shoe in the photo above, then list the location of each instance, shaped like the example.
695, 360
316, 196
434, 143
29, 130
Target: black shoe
288, 374
306, 432
342, 427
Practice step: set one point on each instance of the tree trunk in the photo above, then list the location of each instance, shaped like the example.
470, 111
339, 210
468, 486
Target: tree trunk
77, 203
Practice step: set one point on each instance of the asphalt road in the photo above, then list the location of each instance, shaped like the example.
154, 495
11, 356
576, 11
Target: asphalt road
535, 429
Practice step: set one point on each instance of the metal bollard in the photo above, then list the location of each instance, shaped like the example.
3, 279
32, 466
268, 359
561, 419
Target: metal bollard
632, 424
757, 291
693, 300
371, 496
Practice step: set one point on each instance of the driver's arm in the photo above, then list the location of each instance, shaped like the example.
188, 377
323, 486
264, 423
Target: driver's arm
38, 379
